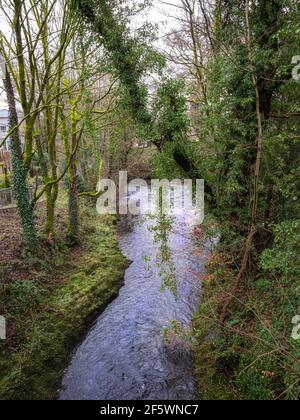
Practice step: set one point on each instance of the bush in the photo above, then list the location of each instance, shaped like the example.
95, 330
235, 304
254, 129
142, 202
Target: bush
284, 257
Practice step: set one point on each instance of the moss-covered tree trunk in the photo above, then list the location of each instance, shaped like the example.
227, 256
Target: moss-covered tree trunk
51, 193
73, 206
73, 190
19, 172
51, 198
70, 146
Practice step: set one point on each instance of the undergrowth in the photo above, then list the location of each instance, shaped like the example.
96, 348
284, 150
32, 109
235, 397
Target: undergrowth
252, 356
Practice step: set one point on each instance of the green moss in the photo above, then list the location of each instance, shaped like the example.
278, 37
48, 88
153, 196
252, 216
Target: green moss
59, 316
212, 360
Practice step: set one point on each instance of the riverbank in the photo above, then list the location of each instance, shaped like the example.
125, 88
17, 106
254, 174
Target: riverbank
251, 357
49, 305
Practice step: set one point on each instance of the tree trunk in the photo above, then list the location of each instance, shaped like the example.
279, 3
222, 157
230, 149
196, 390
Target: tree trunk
73, 194
259, 146
19, 172
51, 196
73, 206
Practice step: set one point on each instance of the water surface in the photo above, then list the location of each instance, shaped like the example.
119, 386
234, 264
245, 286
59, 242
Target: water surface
125, 356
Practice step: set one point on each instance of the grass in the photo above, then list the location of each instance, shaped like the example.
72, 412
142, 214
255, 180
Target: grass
50, 311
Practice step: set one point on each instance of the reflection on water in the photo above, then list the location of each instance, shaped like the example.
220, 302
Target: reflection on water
124, 355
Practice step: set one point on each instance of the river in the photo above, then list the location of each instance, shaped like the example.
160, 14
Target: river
125, 355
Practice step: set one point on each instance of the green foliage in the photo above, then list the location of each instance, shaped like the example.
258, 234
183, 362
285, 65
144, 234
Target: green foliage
22, 197
264, 284
161, 229
258, 326
172, 126
252, 357
170, 112
283, 258
227, 154
253, 385
177, 334
130, 58
164, 165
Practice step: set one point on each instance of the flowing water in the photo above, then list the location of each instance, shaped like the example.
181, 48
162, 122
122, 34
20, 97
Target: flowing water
125, 355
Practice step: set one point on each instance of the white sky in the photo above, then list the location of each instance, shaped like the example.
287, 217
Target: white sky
161, 14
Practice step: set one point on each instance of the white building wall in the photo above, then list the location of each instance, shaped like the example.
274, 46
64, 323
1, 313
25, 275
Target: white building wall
4, 128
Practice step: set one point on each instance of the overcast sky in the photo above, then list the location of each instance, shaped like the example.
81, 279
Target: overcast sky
160, 14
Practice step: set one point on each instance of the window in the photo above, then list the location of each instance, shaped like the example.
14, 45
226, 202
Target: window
3, 128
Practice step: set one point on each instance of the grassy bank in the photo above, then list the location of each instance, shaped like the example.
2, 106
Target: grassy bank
50, 307
251, 357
